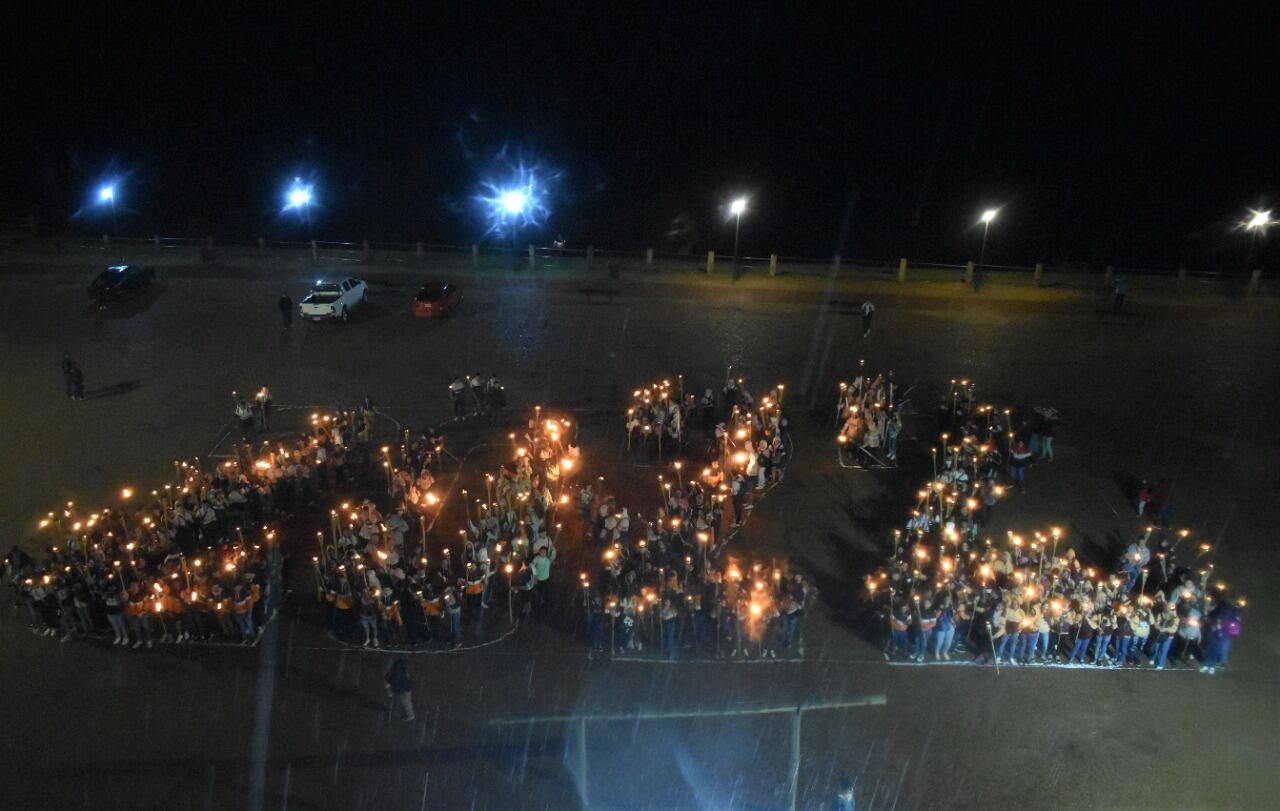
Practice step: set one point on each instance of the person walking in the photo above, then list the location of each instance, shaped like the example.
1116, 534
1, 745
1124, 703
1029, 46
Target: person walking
286, 309
1118, 293
67, 366
400, 688
868, 310
75, 380
844, 800
245, 415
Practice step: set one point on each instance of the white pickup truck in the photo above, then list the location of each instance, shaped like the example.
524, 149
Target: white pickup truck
334, 299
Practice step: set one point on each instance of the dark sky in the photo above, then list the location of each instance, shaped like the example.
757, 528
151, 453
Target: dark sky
1130, 133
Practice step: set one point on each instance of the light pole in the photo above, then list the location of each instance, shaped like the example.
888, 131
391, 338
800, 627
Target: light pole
107, 194
736, 208
299, 196
1257, 222
987, 217
512, 203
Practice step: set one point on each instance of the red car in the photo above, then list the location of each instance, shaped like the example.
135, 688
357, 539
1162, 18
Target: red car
436, 301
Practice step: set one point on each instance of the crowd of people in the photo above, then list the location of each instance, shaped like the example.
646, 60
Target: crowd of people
869, 418
474, 395
667, 584
949, 589
194, 561
383, 587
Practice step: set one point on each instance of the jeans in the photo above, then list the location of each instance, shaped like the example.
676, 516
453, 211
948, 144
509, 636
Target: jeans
1080, 648
1010, 641
1122, 647
898, 639
1160, 655
245, 623
1217, 649
922, 642
1041, 644
1046, 448
117, 625
1018, 476
669, 628
1130, 577
455, 627
1101, 650
942, 638
1139, 645
790, 626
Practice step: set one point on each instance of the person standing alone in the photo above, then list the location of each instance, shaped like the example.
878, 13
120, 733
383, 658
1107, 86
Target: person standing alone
868, 310
286, 309
844, 800
400, 688
67, 367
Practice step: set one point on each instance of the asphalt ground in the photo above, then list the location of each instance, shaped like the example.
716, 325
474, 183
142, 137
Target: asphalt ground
1184, 390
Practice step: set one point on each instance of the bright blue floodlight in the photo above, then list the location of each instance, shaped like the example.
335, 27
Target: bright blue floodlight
519, 199
513, 202
299, 195
107, 194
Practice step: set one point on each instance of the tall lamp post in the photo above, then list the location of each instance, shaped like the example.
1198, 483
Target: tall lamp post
513, 203
107, 195
987, 217
736, 208
1257, 222
299, 196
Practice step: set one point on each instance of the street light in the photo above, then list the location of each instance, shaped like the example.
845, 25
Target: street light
299, 195
736, 208
107, 195
987, 217
513, 202
1258, 222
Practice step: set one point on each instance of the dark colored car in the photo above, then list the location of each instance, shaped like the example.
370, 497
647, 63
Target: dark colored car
119, 280
436, 301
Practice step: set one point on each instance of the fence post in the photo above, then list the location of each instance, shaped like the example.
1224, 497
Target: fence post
533, 259
591, 255
902, 269
968, 273
262, 245
1255, 281
648, 256
156, 241
1109, 277
106, 240
773, 264
475, 256
364, 250
711, 262
315, 253
1039, 274
1182, 277
417, 248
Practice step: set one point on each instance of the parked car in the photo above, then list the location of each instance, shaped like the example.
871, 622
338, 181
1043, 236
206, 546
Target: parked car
119, 280
437, 300
334, 299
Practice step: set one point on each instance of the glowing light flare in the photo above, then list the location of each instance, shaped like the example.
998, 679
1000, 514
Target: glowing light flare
518, 201
299, 195
1258, 220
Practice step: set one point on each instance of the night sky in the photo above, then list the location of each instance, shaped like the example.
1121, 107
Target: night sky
1125, 133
